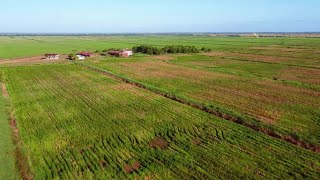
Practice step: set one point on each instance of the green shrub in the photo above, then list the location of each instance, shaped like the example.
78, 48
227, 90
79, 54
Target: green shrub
72, 56
204, 49
173, 49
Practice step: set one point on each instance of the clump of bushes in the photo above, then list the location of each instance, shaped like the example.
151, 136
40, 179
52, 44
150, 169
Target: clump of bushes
180, 49
72, 56
204, 49
173, 49
147, 50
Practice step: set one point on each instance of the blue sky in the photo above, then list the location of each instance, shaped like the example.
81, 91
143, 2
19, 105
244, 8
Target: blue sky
139, 16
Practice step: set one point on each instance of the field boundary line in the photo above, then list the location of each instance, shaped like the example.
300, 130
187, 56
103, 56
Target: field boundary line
246, 121
20, 158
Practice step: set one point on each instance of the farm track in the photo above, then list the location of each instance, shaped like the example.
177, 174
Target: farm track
216, 112
20, 158
21, 60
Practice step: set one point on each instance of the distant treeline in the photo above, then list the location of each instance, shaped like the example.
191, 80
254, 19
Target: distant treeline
145, 49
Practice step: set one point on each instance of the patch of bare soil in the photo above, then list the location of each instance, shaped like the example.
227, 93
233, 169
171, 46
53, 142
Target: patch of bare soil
22, 60
159, 143
131, 168
28, 60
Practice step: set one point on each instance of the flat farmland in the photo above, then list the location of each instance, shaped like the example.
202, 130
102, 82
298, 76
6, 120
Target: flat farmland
75, 123
160, 117
282, 97
298, 50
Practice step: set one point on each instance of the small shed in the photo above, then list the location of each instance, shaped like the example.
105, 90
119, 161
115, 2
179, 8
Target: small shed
127, 52
83, 55
122, 53
51, 56
114, 53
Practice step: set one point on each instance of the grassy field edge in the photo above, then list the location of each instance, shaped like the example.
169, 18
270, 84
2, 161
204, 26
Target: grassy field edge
7, 148
16, 165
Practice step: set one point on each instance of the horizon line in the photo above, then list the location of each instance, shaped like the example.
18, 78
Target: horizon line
155, 33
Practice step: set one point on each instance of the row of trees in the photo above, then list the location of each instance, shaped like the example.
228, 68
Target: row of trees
168, 49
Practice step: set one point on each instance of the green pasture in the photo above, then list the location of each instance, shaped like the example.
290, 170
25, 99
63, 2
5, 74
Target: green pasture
25, 46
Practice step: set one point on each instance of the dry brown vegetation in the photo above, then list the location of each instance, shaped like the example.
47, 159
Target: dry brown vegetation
305, 75
159, 143
131, 168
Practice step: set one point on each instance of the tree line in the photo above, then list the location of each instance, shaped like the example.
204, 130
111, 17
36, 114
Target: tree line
173, 49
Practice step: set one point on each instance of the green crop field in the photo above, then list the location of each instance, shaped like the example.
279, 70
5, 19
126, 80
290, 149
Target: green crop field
296, 48
165, 117
289, 104
76, 123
